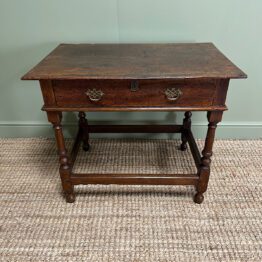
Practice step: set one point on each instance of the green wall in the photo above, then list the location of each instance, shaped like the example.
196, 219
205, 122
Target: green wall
29, 29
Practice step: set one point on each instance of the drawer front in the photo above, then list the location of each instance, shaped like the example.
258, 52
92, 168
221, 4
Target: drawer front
128, 93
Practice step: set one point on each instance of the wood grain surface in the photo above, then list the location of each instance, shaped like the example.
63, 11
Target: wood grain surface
118, 93
135, 61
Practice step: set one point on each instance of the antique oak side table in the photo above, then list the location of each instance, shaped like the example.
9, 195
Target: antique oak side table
135, 77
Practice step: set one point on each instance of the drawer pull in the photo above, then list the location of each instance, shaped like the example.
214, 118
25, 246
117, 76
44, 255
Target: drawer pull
94, 94
173, 94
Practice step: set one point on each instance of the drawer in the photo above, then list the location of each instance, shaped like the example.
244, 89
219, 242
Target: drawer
128, 93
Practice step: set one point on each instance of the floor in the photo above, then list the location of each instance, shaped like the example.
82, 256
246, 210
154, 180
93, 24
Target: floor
130, 223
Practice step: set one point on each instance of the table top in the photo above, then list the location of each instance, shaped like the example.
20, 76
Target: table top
134, 61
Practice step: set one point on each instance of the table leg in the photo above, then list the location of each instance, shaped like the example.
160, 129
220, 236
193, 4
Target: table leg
214, 117
186, 126
83, 125
65, 166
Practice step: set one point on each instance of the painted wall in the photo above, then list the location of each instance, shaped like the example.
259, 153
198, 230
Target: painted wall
29, 29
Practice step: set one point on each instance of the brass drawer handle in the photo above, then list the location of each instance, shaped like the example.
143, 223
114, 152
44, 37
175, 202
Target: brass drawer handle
94, 94
173, 94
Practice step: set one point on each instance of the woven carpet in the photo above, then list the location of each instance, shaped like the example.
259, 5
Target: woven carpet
130, 223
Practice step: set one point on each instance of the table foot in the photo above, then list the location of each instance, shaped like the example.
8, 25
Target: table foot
198, 198
86, 147
183, 146
70, 198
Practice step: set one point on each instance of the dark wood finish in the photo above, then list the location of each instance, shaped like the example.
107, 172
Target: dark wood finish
48, 92
135, 77
135, 128
134, 179
186, 127
213, 118
76, 146
83, 126
135, 61
65, 165
221, 92
193, 147
134, 109
117, 93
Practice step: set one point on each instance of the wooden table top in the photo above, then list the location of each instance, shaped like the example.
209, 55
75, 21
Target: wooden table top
134, 61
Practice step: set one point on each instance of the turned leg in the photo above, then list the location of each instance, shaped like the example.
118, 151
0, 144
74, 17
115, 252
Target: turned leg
65, 167
214, 117
186, 126
83, 126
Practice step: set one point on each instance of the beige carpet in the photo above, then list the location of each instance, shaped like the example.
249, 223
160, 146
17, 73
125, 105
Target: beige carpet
130, 223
